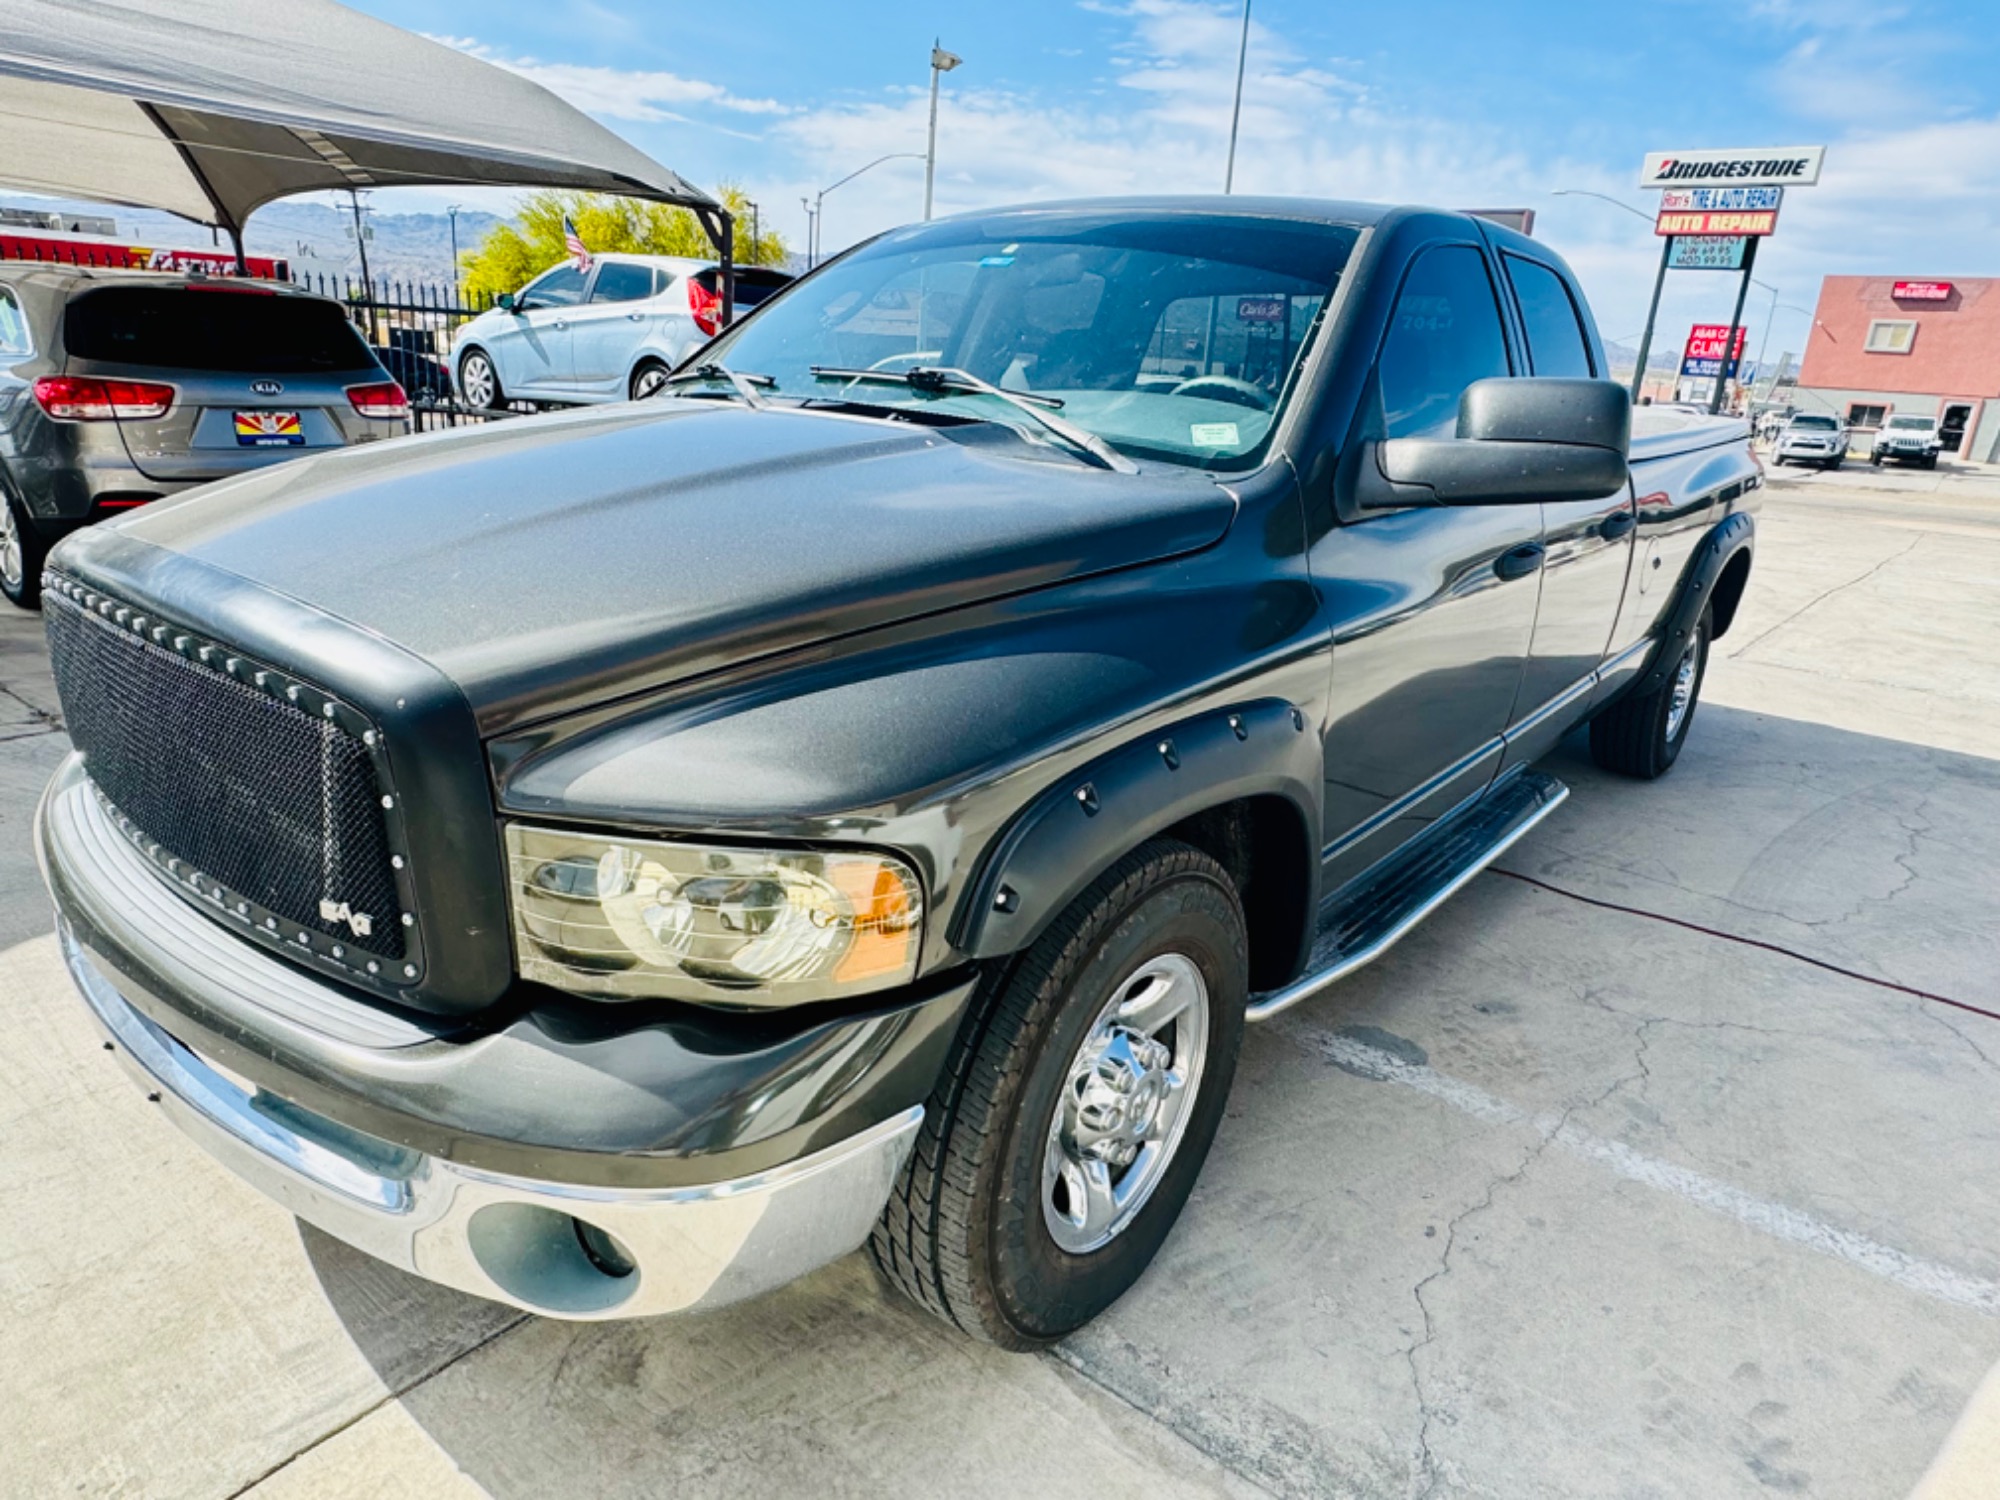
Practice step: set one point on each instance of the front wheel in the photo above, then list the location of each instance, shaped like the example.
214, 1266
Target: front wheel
479, 382
1642, 733
1082, 1093
1875, 459
21, 552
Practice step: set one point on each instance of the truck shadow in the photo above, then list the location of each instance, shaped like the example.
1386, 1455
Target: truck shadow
1259, 1334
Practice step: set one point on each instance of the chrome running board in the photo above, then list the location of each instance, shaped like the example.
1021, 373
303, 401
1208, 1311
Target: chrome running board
1415, 883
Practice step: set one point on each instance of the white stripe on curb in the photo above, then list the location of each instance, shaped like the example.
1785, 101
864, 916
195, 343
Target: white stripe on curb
1927, 1278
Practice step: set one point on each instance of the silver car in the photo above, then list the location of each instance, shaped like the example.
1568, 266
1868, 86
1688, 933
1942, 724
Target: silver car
119, 387
1811, 438
607, 334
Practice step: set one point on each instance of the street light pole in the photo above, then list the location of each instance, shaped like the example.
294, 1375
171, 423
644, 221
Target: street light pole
1659, 280
818, 208
941, 62
1236, 111
452, 211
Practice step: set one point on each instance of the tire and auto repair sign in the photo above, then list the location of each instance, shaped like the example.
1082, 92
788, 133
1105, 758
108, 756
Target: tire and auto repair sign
1731, 212
1703, 355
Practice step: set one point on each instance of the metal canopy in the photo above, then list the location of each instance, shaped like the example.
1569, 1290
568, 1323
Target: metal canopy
211, 108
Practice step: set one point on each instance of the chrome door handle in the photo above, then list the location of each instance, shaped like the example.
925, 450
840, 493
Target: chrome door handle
635, 317
560, 323
1617, 525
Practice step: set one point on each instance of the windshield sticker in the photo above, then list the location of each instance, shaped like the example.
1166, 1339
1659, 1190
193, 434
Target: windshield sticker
996, 260
1213, 434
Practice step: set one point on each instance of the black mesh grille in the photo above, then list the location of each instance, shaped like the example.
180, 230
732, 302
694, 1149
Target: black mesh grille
279, 806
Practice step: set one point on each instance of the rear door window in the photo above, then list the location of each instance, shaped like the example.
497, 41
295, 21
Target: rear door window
222, 329
1556, 341
1444, 335
619, 281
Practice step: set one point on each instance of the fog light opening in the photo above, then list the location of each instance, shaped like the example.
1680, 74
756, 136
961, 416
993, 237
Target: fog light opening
550, 1261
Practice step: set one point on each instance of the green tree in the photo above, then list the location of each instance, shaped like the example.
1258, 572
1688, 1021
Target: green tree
513, 253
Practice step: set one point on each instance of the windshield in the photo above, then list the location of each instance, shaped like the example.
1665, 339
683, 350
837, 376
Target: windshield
1175, 337
1817, 424
1913, 424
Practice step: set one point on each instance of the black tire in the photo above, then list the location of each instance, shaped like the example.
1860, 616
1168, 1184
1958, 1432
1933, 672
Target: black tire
1875, 459
965, 1233
22, 552
1930, 461
646, 379
1633, 736
496, 398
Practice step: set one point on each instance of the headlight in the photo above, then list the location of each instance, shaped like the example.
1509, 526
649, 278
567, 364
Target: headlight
632, 918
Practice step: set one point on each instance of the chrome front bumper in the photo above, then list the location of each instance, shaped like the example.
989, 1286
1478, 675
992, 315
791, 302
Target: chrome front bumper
509, 1238
513, 1239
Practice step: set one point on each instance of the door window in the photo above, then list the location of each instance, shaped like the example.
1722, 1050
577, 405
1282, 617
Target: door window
620, 281
1557, 344
1445, 334
562, 287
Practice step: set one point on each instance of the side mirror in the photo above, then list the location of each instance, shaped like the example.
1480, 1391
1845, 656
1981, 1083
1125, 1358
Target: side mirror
1520, 441
505, 302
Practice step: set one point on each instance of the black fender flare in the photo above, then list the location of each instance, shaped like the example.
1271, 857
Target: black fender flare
1077, 827
1729, 536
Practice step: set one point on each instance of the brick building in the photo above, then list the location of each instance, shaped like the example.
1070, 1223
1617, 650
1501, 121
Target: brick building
1882, 344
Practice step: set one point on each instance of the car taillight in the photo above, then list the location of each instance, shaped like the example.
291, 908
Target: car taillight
71, 398
383, 398
706, 306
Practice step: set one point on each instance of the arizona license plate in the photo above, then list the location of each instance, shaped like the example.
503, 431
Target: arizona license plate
269, 429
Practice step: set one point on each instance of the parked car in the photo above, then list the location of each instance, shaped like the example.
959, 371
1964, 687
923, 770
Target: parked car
1810, 437
119, 387
618, 863
1909, 439
607, 334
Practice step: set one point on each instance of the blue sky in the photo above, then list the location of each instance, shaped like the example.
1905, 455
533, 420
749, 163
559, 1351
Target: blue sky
1425, 100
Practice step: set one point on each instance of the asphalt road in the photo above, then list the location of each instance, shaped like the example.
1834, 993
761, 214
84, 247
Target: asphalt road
1658, 1164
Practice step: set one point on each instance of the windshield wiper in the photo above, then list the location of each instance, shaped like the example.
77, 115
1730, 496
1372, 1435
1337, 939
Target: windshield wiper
745, 385
961, 382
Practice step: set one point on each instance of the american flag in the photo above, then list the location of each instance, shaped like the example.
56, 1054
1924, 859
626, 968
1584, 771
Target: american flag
573, 242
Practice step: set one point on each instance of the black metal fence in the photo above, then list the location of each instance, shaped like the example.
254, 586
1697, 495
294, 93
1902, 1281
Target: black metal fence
414, 329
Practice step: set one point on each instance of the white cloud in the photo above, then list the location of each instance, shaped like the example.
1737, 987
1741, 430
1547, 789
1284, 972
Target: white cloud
617, 93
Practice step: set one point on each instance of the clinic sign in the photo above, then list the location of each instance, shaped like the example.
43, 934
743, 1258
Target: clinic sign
1758, 166
1706, 341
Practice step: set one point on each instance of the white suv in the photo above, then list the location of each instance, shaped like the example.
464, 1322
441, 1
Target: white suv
1907, 439
1811, 437
607, 334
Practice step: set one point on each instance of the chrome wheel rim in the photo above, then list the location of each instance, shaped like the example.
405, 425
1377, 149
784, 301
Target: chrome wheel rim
11, 560
650, 380
1126, 1099
476, 375
1683, 695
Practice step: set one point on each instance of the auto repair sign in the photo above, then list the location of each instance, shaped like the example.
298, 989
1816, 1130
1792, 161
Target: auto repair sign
1759, 166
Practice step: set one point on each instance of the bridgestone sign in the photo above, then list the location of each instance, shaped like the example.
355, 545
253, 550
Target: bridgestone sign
1760, 166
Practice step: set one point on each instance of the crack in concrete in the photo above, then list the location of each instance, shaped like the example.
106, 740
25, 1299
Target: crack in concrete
1750, 645
374, 1406
1428, 1472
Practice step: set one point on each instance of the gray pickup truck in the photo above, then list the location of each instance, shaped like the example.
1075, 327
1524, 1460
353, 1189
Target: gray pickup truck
618, 861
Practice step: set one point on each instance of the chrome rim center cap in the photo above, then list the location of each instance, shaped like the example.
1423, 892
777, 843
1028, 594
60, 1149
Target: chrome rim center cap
1116, 1095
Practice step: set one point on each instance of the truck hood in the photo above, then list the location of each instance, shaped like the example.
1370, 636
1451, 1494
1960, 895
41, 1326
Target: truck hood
544, 564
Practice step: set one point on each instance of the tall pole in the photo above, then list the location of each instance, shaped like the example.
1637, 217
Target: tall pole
1652, 312
1236, 111
941, 62
452, 211
1764, 344
1735, 321
361, 244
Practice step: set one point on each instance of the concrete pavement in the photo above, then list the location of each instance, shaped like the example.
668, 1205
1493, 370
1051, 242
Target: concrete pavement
1656, 1165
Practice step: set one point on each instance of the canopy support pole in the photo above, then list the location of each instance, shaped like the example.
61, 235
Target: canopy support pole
223, 219
721, 227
